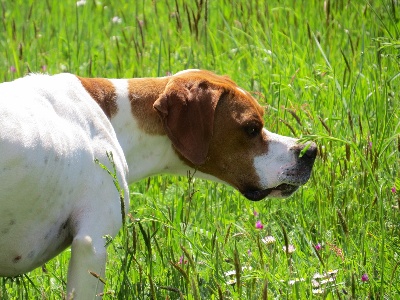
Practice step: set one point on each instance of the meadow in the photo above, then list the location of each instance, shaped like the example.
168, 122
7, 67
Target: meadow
326, 71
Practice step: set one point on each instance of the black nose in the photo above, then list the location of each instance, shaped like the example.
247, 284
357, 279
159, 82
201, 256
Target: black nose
307, 152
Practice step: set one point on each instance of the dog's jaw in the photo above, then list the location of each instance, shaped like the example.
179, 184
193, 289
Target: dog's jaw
281, 191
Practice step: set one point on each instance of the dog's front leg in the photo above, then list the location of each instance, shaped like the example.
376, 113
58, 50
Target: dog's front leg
87, 256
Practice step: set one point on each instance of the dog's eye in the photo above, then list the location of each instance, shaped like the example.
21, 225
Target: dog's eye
252, 131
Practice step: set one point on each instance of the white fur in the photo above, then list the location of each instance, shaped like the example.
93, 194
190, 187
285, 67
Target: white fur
270, 166
187, 71
51, 189
241, 90
147, 154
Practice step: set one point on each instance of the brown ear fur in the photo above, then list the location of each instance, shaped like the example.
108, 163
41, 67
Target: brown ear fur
187, 112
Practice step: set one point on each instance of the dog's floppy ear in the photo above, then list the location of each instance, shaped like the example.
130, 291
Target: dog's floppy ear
187, 112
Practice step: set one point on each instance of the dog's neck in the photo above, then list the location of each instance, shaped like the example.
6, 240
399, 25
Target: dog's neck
139, 129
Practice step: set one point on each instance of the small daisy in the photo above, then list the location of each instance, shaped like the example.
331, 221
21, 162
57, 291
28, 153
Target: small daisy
325, 281
230, 273
332, 272
292, 282
318, 291
268, 240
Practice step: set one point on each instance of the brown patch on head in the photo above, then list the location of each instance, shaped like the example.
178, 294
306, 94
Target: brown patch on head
103, 92
215, 126
237, 138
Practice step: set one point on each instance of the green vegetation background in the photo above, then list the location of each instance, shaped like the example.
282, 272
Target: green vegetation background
324, 70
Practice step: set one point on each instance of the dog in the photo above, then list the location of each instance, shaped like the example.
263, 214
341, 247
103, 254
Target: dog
57, 131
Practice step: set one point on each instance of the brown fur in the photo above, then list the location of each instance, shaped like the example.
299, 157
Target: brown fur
231, 148
142, 94
187, 112
103, 92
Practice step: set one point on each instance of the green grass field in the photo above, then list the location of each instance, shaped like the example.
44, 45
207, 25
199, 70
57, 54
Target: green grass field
326, 71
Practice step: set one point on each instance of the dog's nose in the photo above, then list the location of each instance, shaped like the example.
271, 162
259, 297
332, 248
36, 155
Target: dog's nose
307, 152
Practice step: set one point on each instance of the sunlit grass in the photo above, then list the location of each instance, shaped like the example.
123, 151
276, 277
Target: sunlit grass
324, 70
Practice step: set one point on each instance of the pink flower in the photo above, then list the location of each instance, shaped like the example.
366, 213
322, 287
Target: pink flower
249, 253
318, 247
364, 277
181, 260
394, 190
255, 213
259, 225
13, 69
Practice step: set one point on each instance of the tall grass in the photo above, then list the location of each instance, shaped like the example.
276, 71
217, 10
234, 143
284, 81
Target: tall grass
325, 70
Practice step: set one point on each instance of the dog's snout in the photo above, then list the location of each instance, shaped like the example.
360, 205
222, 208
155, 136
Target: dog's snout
307, 152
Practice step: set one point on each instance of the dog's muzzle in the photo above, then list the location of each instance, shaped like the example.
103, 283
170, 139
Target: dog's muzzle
291, 177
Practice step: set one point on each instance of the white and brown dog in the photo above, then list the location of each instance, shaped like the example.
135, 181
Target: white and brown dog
52, 128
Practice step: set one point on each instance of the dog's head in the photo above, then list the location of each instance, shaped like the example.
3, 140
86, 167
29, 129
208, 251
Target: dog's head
218, 128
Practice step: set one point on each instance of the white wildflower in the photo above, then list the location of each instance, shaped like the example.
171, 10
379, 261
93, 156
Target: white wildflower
318, 291
325, 281
231, 281
81, 3
290, 249
116, 20
332, 272
314, 283
63, 67
268, 240
292, 282
318, 276
230, 273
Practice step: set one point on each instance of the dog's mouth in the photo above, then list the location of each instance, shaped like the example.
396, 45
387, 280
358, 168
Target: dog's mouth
283, 190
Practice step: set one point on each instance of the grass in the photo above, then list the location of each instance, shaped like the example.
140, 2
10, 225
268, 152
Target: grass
325, 70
